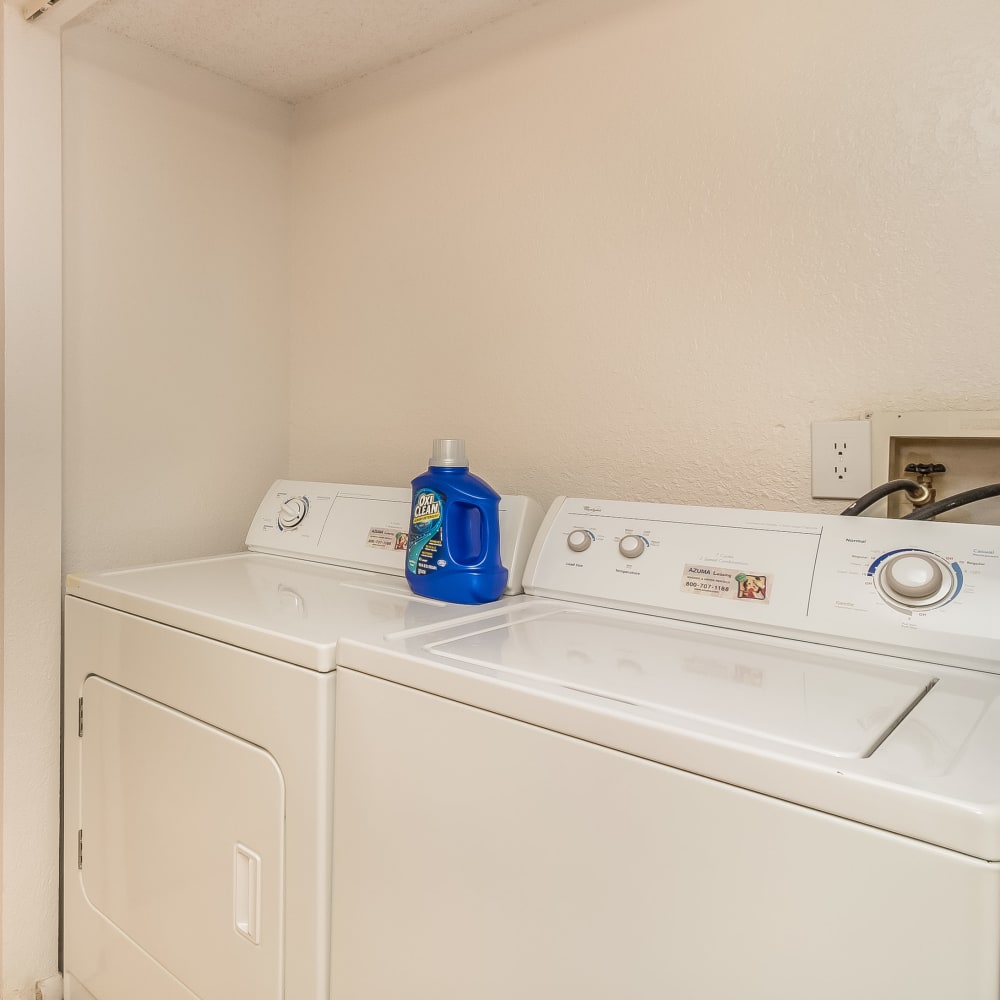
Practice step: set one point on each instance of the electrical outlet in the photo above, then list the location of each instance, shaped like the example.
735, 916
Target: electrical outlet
841, 459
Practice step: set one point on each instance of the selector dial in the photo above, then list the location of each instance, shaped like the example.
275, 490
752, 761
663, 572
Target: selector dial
913, 575
916, 580
579, 540
291, 512
632, 546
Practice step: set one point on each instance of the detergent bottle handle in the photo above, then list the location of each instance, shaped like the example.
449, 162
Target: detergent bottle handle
491, 537
472, 534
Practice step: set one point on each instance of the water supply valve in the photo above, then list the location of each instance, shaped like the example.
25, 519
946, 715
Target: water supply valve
925, 472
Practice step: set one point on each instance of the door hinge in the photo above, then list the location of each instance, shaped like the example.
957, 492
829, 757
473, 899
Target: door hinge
80, 717
79, 849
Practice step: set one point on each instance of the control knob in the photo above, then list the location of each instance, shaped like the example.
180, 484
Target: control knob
579, 540
291, 512
632, 546
916, 579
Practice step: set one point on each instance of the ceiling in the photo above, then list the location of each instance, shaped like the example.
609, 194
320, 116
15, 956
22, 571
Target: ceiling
295, 50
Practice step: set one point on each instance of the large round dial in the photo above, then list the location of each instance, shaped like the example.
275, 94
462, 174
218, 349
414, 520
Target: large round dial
292, 511
632, 546
579, 540
913, 575
916, 580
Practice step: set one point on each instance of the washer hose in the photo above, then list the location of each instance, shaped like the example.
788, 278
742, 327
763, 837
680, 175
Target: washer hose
950, 503
916, 490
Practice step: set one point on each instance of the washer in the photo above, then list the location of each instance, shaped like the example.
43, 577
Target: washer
720, 754
199, 705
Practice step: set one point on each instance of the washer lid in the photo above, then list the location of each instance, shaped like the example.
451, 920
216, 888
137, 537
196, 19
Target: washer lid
286, 608
797, 695
903, 746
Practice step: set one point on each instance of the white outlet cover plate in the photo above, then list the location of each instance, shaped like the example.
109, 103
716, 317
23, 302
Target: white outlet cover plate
841, 459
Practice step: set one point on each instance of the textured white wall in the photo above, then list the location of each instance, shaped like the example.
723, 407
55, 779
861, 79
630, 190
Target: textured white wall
638, 254
176, 300
30, 587
624, 247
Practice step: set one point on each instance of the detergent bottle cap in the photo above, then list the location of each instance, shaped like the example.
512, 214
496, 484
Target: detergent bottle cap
449, 453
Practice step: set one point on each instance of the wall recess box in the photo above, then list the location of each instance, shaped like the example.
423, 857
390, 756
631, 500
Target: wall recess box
967, 443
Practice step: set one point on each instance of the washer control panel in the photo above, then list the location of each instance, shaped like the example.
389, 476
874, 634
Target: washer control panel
926, 589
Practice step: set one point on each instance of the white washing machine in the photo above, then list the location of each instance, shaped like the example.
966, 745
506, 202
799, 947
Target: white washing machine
721, 754
199, 704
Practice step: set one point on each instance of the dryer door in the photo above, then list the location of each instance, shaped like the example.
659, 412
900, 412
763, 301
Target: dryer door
182, 843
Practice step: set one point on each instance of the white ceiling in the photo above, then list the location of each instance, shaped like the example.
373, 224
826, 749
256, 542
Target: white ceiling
294, 50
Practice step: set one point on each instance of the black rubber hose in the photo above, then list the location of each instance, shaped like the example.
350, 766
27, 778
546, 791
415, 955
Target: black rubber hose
873, 496
950, 503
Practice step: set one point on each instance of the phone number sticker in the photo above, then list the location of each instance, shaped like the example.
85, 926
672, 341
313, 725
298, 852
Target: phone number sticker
386, 538
731, 584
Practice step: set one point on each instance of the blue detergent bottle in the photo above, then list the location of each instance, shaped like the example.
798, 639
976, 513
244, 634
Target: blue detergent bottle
453, 552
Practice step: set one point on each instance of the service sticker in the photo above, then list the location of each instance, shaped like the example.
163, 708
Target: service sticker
386, 539
731, 584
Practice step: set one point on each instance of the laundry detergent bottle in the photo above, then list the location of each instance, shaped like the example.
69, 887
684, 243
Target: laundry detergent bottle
454, 546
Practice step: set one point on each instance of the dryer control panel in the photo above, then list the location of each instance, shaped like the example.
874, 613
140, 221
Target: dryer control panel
360, 526
365, 527
927, 590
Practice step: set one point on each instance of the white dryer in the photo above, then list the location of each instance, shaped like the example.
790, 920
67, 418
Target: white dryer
722, 754
199, 706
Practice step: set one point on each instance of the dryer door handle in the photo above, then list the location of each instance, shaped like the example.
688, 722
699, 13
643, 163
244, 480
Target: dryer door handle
246, 893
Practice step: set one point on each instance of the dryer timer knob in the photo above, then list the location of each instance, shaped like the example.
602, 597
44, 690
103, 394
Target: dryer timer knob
292, 512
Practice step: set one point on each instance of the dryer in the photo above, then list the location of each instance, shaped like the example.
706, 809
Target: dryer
718, 754
199, 710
